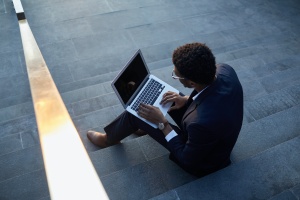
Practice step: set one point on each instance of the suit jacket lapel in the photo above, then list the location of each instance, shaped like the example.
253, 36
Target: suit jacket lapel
199, 99
193, 106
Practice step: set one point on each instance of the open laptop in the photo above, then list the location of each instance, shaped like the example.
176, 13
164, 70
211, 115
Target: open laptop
134, 84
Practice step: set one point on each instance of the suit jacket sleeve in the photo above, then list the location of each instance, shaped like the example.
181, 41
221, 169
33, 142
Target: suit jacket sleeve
197, 146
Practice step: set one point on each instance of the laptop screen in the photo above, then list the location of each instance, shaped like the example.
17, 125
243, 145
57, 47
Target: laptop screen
131, 78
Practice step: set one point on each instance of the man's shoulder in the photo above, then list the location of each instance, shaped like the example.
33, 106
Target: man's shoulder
225, 69
224, 66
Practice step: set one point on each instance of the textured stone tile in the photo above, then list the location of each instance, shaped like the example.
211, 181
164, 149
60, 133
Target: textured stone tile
246, 63
28, 186
30, 138
17, 125
94, 119
68, 87
276, 54
40, 16
10, 143
203, 7
94, 104
255, 178
118, 109
138, 182
45, 34
249, 32
73, 28
65, 10
110, 160
10, 64
290, 62
170, 195
45, 198
287, 195
169, 11
289, 119
12, 112
14, 85
20, 162
151, 148
10, 41
246, 75
265, 133
161, 64
270, 104
294, 91
252, 90
61, 75
89, 68
70, 110
32, 4
224, 57
2, 8
118, 20
59, 31
124, 5
248, 51
230, 47
159, 33
296, 190
281, 80
209, 23
173, 176
268, 69
8, 20
58, 53
104, 44
87, 92
162, 51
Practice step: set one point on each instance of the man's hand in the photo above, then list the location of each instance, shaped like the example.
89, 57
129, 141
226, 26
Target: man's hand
151, 113
174, 97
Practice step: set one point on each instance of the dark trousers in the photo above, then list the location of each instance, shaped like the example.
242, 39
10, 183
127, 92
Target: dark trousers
126, 124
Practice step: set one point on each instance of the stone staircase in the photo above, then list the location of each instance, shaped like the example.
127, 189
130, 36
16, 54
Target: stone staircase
257, 38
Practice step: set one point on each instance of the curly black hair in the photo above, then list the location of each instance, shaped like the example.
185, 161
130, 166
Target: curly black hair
195, 62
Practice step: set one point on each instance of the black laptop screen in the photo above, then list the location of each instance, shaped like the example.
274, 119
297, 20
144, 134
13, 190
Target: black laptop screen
131, 78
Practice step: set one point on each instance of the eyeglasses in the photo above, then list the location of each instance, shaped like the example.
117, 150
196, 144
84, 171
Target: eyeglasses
176, 77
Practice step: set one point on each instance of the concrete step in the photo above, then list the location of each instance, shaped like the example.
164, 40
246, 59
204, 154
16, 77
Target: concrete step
266, 133
20, 162
292, 194
84, 89
261, 177
142, 160
137, 161
29, 186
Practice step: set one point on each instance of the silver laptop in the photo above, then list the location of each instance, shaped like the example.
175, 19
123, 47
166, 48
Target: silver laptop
134, 85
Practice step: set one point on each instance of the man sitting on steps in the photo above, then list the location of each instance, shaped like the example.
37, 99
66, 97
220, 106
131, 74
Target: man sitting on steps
208, 121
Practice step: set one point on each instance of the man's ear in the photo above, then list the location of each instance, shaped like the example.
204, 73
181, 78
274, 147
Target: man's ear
192, 83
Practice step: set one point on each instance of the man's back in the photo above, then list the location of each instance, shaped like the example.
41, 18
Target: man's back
212, 123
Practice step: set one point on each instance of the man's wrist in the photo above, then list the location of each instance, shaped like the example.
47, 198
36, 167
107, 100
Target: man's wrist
167, 129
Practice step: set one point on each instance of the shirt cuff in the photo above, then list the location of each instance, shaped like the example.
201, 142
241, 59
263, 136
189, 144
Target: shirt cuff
171, 135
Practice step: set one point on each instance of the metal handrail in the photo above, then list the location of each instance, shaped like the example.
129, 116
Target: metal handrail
70, 172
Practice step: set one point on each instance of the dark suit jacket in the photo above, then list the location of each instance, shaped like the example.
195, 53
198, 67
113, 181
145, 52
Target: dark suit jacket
209, 125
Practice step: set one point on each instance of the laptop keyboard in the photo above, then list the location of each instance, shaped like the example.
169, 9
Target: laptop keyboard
149, 94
